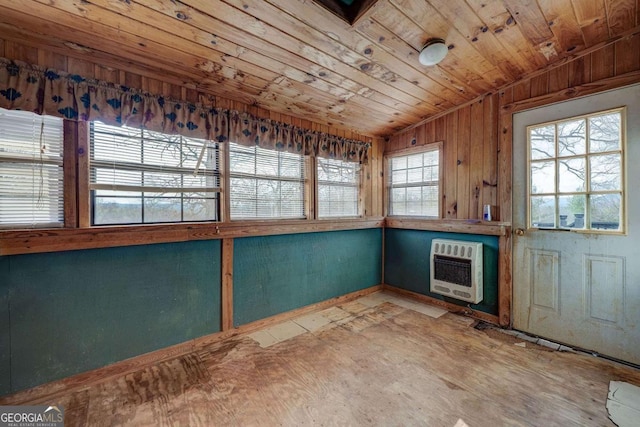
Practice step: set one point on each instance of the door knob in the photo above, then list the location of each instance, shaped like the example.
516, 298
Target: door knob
519, 232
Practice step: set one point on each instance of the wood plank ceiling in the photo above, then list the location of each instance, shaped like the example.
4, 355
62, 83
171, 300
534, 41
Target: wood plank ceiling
297, 57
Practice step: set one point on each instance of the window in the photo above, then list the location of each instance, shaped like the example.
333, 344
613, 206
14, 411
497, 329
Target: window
414, 183
266, 183
31, 170
576, 173
139, 177
338, 188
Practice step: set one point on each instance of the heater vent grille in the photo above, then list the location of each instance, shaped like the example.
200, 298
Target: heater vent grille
456, 269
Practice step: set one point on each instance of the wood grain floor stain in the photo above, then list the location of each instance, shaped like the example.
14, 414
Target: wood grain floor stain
372, 366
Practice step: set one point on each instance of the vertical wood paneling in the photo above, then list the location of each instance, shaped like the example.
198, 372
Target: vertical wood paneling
490, 153
539, 85
82, 157
476, 158
132, 80
52, 59
504, 156
107, 74
2, 54
464, 165
227, 284
603, 63
522, 90
450, 148
627, 54
21, 53
559, 78
579, 71
377, 177
83, 68
70, 174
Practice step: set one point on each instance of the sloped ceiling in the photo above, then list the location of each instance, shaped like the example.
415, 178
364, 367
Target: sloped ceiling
297, 57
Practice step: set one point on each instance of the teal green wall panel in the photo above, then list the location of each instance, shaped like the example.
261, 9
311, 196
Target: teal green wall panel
79, 310
407, 263
275, 274
5, 331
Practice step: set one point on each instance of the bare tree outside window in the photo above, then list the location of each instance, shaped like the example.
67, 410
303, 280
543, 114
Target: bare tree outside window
414, 183
265, 183
576, 175
139, 176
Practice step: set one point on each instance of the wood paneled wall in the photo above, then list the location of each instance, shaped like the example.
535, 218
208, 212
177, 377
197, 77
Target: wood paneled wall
151, 81
477, 137
470, 145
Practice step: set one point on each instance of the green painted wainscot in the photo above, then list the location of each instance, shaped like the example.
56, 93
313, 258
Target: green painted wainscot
407, 263
68, 312
276, 274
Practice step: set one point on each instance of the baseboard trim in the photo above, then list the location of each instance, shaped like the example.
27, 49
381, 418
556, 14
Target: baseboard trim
480, 315
76, 382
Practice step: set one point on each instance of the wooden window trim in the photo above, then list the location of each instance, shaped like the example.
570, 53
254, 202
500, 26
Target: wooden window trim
409, 151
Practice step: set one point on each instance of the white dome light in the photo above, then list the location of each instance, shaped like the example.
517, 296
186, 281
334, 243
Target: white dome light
433, 52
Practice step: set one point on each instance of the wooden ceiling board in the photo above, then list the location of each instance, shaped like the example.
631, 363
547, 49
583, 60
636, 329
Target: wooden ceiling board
450, 72
621, 15
297, 58
564, 25
350, 39
422, 14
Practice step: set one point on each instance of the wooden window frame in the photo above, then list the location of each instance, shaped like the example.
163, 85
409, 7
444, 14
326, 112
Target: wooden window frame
387, 173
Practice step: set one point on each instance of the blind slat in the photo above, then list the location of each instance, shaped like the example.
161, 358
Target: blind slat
266, 184
338, 188
31, 174
138, 176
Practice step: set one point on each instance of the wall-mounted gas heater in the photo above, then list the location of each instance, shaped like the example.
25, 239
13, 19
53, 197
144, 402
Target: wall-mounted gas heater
456, 269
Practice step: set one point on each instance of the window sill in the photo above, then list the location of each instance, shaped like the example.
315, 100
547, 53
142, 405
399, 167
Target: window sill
13, 242
468, 226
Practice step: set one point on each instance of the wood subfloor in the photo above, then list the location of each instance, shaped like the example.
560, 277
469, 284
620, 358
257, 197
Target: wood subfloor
382, 365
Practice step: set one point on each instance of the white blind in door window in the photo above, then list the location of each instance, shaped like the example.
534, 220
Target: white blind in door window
265, 183
31, 173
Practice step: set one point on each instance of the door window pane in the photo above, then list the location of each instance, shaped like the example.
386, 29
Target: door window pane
571, 177
543, 177
543, 142
576, 173
572, 137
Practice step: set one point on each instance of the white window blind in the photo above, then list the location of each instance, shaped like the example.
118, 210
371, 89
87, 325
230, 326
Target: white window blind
338, 188
265, 183
31, 173
138, 176
414, 184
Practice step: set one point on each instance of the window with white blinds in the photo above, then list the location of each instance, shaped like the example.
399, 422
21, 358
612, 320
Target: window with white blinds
140, 177
31, 172
414, 184
266, 183
338, 188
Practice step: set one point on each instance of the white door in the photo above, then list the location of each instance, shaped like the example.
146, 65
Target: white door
571, 284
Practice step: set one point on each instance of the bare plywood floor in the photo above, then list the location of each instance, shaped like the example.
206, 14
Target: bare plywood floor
383, 365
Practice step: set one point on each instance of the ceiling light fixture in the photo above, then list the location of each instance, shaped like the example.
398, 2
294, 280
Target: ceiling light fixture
433, 52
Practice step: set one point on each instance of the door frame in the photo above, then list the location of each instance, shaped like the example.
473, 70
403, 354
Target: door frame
508, 107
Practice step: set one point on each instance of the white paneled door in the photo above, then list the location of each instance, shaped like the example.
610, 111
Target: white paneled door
576, 257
